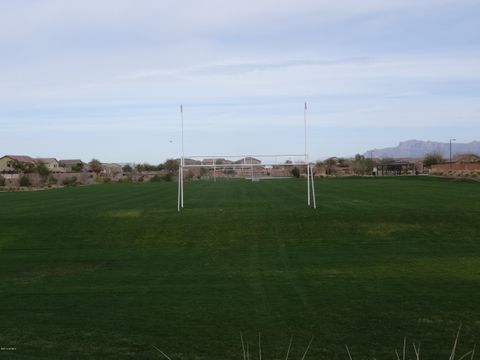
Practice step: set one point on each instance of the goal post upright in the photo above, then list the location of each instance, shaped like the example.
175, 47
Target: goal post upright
183, 150
310, 178
306, 153
181, 166
313, 190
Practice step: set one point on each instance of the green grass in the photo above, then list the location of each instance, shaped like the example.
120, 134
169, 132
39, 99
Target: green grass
107, 271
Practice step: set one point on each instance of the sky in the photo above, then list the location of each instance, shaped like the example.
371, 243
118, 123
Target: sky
105, 79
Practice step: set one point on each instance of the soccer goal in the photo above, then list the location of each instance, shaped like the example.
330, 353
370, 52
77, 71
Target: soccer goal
254, 167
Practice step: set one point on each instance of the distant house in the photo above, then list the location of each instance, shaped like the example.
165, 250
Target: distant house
72, 165
466, 158
219, 161
52, 164
15, 163
112, 169
187, 161
319, 170
248, 160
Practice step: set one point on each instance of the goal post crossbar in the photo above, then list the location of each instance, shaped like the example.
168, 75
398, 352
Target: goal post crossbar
242, 165
242, 156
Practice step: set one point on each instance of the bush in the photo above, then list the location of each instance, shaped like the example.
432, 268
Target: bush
103, 180
156, 178
432, 159
70, 181
96, 166
51, 180
77, 168
126, 179
2, 181
168, 176
42, 170
295, 172
25, 181
189, 175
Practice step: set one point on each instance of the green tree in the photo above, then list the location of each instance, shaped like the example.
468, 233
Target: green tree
17, 165
70, 181
432, 159
330, 165
146, 167
171, 165
127, 169
96, 166
189, 175
23, 167
156, 178
42, 170
25, 181
228, 170
369, 165
77, 167
295, 172
203, 172
358, 165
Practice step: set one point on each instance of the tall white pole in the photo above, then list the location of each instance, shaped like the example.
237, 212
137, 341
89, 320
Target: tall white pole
182, 185
306, 155
183, 157
313, 190
183, 149
308, 182
179, 187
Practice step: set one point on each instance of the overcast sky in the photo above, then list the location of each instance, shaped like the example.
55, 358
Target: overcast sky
104, 79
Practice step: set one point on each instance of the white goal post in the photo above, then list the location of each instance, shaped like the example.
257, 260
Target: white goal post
245, 162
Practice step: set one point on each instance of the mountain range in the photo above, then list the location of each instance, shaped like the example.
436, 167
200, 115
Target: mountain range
418, 149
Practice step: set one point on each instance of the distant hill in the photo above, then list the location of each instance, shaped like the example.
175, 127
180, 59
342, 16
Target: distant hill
418, 149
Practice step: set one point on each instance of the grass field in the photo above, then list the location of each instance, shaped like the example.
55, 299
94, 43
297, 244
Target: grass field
107, 271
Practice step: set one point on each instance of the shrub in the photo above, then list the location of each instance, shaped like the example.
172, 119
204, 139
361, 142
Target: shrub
51, 180
2, 181
156, 178
168, 176
77, 168
126, 179
432, 159
70, 181
189, 175
96, 166
42, 170
295, 172
25, 181
103, 180
127, 169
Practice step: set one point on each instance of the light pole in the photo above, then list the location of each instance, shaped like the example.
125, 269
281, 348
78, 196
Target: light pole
451, 151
